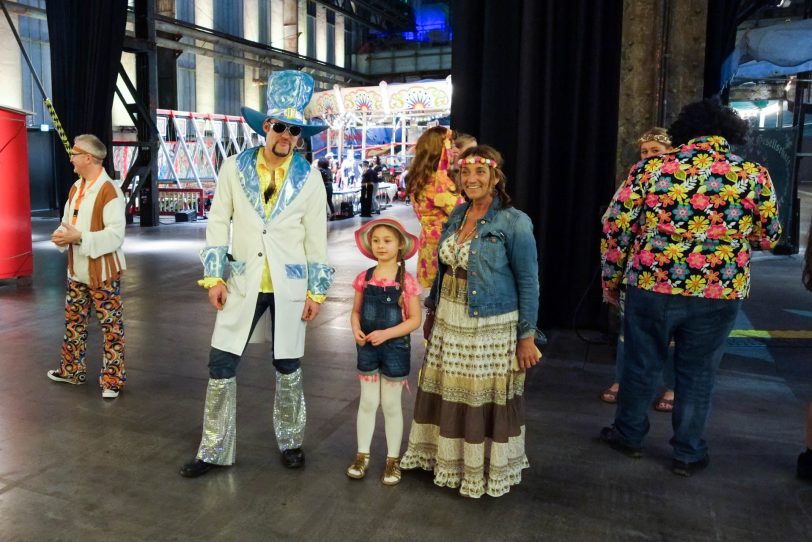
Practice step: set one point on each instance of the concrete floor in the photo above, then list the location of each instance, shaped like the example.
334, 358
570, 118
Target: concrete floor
76, 467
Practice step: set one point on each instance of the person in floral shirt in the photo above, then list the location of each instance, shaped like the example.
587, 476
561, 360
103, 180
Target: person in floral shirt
679, 235
433, 195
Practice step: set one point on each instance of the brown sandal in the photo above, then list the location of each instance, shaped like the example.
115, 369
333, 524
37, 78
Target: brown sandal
359, 467
391, 472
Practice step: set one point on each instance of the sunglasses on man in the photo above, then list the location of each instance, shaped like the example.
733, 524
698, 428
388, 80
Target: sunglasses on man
280, 127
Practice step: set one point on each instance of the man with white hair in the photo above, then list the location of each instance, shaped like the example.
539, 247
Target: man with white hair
92, 232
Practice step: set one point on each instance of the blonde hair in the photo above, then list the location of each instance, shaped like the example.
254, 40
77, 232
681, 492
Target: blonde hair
427, 154
92, 145
657, 134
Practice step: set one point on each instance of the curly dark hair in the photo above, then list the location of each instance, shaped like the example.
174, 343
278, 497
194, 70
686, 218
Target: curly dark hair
708, 118
324, 163
486, 151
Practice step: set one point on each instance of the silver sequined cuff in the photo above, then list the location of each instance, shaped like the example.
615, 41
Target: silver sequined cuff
219, 422
289, 412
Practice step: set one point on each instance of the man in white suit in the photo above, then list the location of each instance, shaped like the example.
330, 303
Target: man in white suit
268, 228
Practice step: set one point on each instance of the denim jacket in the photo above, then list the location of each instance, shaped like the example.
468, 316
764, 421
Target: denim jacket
502, 266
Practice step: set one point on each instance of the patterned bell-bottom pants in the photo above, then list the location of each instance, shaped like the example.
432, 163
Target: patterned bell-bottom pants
107, 306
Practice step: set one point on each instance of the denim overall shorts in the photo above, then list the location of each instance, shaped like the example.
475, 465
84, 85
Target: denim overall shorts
380, 310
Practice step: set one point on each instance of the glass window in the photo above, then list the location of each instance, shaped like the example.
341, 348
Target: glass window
264, 21
331, 41
228, 90
187, 86
185, 10
34, 35
311, 36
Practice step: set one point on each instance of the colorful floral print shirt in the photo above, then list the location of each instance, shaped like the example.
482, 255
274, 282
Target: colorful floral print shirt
683, 223
432, 208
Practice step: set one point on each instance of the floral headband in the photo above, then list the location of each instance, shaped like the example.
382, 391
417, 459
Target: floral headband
659, 138
477, 160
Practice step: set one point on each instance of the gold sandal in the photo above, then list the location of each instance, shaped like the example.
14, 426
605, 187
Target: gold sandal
391, 473
359, 467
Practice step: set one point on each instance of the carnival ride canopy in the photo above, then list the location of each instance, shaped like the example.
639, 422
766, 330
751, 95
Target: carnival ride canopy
420, 100
772, 51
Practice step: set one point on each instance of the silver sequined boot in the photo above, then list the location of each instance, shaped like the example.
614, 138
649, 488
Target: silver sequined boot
219, 422
289, 412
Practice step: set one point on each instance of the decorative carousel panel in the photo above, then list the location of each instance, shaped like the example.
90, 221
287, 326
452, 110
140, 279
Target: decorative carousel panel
419, 97
363, 100
322, 105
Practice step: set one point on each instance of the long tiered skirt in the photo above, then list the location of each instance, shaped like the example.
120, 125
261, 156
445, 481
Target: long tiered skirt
468, 422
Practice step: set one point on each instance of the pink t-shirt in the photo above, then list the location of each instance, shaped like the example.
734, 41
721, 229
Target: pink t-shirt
410, 287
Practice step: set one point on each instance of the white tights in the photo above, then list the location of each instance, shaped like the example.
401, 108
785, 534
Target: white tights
380, 391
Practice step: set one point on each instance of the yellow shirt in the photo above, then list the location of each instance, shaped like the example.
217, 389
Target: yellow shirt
264, 174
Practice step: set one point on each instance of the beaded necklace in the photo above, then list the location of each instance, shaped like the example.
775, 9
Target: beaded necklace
462, 238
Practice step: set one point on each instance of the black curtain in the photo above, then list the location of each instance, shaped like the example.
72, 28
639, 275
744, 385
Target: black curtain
720, 39
539, 81
86, 41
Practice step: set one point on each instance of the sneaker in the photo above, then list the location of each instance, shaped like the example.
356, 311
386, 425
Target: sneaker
109, 393
391, 473
805, 465
681, 468
359, 467
76, 378
609, 436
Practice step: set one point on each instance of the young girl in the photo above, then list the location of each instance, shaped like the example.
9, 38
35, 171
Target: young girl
386, 310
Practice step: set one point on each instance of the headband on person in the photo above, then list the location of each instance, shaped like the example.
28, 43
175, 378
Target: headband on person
81, 150
477, 160
659, 138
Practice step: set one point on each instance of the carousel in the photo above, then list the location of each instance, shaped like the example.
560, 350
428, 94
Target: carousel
379, 124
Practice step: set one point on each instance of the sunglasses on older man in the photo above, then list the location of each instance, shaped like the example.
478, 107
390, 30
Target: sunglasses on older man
280, 127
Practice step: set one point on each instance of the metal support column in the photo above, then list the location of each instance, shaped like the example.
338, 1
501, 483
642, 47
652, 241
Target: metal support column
146, 68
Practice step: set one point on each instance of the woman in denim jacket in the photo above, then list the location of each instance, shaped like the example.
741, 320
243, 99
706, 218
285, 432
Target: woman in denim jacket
469, 412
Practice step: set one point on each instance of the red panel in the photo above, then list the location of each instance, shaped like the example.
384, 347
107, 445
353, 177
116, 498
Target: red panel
16, 256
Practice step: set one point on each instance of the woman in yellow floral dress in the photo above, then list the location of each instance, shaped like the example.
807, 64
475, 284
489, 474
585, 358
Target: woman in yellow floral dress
433, 195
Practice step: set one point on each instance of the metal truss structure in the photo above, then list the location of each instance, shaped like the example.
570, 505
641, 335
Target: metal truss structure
192, 147
380, 15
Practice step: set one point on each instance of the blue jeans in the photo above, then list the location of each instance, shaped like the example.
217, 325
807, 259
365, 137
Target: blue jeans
668, 368
699, 328
223, 364
381, 310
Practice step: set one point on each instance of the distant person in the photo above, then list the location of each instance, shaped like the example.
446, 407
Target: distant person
652, 143
433, 196
92, 233
349, 170
460, 142
367, 189
327, 178
377, 169
680, 232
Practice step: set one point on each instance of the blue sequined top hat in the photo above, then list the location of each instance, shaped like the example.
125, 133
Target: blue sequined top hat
289, 92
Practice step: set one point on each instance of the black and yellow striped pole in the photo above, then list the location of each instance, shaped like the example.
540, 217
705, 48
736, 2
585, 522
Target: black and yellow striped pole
46, 100
57, 124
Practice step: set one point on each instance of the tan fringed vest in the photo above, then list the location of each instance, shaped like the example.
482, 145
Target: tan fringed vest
111, 269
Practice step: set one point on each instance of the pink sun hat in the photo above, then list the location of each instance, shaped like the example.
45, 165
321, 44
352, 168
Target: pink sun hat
362, 235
